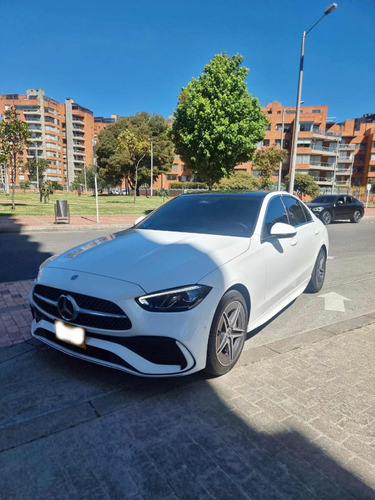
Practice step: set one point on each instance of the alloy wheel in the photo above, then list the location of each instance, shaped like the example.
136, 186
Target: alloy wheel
326, 217
230, 333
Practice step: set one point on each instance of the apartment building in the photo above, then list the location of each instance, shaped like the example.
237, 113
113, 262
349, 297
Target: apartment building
356, 162
61, 133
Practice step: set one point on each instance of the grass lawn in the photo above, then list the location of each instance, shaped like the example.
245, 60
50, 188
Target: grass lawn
28, 204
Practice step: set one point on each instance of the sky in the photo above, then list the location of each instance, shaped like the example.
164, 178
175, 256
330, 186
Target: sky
123, 57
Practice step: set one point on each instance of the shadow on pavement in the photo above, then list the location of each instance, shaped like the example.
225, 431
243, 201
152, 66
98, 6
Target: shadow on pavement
71, 429
20, 256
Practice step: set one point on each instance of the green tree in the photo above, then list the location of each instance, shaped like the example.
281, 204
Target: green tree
134, 149
14, 137
304, 184
90, 179
238, 180
113, 162
217, 123
36, 168
24, 185
266, 161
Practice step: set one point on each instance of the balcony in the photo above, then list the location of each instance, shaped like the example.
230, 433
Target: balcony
81, 160
322, 165
323, 134
323, 181
32, 119
78, 153
76, 126
35, 111
346, 159
341, 183
346, 171
323, 150
77, 120
347, 147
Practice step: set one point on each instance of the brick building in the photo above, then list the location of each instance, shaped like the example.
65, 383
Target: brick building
334, 154
61, 133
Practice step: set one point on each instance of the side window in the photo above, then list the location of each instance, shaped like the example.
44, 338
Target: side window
307, 213
349, 199
275, 213
340, 200
295, 211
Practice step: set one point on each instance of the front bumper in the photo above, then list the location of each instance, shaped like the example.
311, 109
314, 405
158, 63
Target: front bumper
156, 345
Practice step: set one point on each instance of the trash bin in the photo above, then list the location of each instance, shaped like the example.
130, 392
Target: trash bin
62, 211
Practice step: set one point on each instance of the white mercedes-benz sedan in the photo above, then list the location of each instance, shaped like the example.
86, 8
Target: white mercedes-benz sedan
179, 291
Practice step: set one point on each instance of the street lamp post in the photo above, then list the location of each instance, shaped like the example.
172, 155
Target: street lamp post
281, 147
299, 93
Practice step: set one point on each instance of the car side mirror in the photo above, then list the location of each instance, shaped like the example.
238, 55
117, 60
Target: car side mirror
140, 219
340, 202
282, 230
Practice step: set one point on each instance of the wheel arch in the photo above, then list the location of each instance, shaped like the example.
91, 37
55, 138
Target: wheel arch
245, 293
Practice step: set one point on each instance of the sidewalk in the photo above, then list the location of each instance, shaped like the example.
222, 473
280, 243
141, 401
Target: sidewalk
24, 224
297, 423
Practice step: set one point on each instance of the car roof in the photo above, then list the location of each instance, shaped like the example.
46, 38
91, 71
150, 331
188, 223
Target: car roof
249, 194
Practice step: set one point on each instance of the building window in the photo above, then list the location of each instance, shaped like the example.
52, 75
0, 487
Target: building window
290, 112
268, 127
316, 111
175, 166
279, 126
305, 126
171, 177
303, 158
304, 143
266, 142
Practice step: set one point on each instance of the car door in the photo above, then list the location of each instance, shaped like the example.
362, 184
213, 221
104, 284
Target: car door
306, 240
279, 255
341, 209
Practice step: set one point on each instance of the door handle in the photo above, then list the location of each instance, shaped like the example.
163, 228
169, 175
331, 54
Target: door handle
316, 231
294, 242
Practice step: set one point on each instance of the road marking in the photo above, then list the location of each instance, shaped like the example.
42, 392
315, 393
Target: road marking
333, 301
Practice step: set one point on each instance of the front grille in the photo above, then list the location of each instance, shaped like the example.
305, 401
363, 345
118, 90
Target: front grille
93, 312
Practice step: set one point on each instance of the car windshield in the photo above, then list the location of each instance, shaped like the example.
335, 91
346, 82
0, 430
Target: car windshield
227, 215
324, 199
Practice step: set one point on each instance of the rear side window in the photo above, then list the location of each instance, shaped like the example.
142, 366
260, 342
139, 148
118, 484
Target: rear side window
275, 213
295, 211
307, 213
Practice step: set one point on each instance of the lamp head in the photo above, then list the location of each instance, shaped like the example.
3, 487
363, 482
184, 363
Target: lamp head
330, 9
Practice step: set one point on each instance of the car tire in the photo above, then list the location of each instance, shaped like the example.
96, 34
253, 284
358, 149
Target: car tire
318, 274
227, 334
356, 217
326, 217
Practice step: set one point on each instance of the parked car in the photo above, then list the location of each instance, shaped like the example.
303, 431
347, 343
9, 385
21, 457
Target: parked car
337, 207
179, 291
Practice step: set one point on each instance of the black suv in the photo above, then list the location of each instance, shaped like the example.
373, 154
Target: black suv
336, 207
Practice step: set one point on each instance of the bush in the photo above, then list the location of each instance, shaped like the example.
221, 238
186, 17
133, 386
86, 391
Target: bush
188, 185
56, 186
25, 185
241, 181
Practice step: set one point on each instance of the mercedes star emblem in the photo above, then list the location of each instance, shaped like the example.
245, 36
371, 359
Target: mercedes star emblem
67, 307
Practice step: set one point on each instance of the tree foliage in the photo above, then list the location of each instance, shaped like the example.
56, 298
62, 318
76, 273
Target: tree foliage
14, 137
238, 180
36, 167
134, 148
304, 184
79, 180
115, 162
266, 161
217, 123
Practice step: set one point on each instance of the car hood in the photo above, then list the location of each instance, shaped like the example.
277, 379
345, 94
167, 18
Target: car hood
152, 259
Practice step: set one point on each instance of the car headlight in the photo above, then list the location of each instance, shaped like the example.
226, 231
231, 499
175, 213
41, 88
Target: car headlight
175, 299
317, 209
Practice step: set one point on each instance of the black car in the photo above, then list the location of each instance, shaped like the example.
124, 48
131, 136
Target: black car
337, 207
